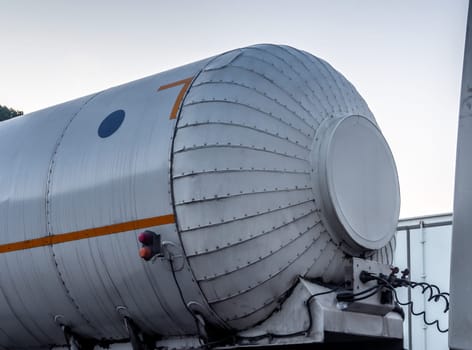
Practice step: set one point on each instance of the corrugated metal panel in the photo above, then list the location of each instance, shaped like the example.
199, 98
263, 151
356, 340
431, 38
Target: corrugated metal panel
62, 177
238, 168
242, 177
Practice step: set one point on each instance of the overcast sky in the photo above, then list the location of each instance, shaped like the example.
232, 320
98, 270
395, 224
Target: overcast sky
403, 56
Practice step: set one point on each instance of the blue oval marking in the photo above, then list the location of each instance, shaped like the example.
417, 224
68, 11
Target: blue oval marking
111, 123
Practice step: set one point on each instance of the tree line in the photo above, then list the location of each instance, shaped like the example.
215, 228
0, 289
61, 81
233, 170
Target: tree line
8, 113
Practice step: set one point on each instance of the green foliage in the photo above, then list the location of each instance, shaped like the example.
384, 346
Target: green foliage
7, 113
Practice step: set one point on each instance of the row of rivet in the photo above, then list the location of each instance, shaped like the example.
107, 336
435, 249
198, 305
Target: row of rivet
265, 303
303, 79
352, 102
49, 185
329, 247
267, 96
315, 67
249, 106
298, 88
246, 216
260, 258
330, 82
231, 145
241, 170
243, 193
351, 98
263, 232
270, 276
271, 300
323, 111
344, 89
324, 276
247, 126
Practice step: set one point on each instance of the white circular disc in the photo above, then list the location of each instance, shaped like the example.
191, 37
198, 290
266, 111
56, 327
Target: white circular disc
361, 195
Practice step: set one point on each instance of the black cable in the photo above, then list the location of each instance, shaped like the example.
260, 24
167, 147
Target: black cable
297, 333
425, 286
350, 296
368, 295
439, 295
422, 313
434, 294
347, 296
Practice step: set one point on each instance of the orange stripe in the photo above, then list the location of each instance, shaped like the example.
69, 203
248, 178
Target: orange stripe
185, 84
88, 233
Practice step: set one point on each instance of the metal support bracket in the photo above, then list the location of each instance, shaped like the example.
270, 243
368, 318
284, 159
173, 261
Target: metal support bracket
138, 339
76, 342
376, 304
327, 318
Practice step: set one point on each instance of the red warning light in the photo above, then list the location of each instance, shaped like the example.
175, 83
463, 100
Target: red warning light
151, 245
145, 253
145, 237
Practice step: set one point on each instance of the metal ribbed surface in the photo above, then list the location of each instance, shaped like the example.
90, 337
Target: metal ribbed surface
70, 178
242, 182
240, 187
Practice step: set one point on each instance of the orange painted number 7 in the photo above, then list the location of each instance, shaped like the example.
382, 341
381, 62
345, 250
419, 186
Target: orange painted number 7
185, 85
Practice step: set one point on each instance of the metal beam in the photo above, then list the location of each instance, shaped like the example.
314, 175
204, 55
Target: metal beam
460, 316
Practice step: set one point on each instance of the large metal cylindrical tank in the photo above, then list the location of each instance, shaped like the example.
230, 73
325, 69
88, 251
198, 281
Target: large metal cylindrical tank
255, 166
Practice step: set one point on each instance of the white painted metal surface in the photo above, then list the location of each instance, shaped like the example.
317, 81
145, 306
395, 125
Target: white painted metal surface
353, 164
327, 317
424, 246
227, 149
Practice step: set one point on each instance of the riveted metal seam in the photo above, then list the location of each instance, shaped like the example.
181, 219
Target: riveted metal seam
174, 115
244, 239
237, 125
330, 259
271, 300
316, 79
214, 197
246, 105
265, 305
302, 91
48, 208
261, 258
252, 237
343, 105
263, 94
171, 183
263, 76
240, 170
235, 219
296, 54
264, 149
280, 270
336, 107
319, 103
